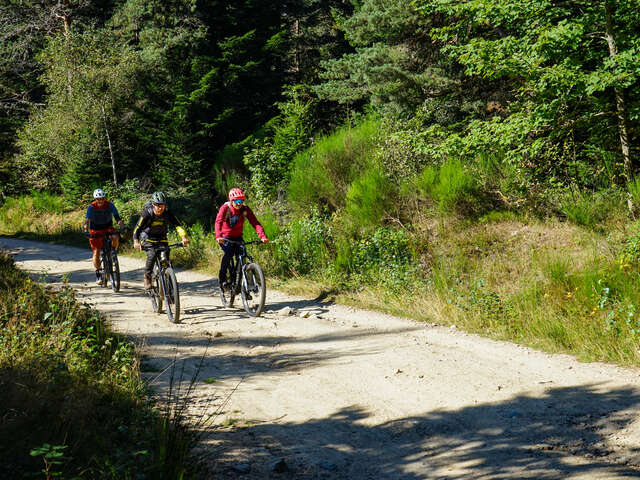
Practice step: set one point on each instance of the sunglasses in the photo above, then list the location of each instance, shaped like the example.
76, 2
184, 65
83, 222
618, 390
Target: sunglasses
238, 202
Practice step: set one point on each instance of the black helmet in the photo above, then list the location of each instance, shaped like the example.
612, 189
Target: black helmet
159, 198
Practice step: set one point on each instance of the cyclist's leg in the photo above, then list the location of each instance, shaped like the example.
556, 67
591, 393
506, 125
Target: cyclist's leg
115, 241
148, 266
96, 248
229, 251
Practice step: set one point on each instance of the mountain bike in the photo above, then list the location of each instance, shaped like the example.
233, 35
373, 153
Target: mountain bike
164, 286
247, 280
109, 265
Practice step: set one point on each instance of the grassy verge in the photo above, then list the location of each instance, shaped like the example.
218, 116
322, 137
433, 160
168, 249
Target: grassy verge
559, 286
71, 401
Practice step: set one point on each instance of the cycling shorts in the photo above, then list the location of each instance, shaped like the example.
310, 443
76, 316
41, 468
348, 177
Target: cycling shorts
96, 242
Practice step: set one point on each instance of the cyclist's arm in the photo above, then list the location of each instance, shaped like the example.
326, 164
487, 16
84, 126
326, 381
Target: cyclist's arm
256, 224
222, 213
140, 225
116, 215
87, 218
179, 227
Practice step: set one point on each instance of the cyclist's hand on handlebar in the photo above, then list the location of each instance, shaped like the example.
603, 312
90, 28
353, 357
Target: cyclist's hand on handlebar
185, 241
121, 223
264, 240
220, 241
136, 245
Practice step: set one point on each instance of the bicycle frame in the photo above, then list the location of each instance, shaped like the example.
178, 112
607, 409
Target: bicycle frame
107, 257
162, 291
247, 280
160, 267
239, 259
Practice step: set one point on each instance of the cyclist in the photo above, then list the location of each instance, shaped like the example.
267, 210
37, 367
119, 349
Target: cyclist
97, 221
150, 233
229, 225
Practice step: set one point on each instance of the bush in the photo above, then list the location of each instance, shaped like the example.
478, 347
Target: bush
451, 186
269, 161
322, 174
369, 199
301, 248
588, 209
385, 258
455, 186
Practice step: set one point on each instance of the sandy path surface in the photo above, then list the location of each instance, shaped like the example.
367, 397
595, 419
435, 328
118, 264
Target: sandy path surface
352, 394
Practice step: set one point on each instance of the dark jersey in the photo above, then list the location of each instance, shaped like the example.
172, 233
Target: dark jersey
100, 216
155, 227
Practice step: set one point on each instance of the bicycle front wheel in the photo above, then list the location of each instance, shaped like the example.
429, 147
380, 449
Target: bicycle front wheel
253, 289
172, 295
115, 272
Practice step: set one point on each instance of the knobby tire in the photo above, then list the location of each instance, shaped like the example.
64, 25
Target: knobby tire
115, 272
172, 295
106, 267
253, 289
155, 292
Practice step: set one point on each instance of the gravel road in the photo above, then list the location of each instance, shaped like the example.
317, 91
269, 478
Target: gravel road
313, 390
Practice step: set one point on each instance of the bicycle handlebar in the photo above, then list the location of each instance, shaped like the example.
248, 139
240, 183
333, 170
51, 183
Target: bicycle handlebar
102, 235
242, 242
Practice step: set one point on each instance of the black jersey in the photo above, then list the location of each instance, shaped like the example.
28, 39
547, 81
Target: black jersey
155, 227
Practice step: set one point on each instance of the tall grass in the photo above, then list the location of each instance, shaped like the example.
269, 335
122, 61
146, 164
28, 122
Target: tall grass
451, 186
321, 176
590, 209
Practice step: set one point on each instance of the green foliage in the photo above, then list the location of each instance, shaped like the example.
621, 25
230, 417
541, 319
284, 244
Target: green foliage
72, 392
589, 208
555, 115
633, 187
369, 199
323, 173
394, 64
451, 186
269, 160
90, 78
301, 248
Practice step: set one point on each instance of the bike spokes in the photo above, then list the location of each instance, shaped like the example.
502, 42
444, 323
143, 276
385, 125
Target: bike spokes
253, 289
172, 295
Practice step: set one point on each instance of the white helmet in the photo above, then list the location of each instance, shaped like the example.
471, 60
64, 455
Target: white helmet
98, 193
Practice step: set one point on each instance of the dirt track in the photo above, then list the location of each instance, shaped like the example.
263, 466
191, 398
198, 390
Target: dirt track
351, 394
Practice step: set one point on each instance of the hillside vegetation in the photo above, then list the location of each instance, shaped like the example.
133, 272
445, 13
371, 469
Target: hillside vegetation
73, 405
463, 163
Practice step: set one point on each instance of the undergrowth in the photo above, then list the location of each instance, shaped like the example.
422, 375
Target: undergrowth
71, 401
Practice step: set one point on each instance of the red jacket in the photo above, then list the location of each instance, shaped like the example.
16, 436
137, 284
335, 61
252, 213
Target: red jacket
230, 222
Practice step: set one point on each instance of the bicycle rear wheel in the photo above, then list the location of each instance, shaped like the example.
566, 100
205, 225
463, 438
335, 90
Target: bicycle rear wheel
172, 295
229, 295
106, 267
115, 272
253, 289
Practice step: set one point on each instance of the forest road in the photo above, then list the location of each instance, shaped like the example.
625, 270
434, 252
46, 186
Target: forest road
352, 394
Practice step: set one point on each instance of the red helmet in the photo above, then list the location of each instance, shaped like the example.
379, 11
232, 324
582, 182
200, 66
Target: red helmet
236, 194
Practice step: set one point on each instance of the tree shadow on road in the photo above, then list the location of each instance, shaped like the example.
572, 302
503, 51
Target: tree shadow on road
562, 434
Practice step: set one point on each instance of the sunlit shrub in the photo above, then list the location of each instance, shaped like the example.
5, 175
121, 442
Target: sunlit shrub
322, 174
301, 248
369, 200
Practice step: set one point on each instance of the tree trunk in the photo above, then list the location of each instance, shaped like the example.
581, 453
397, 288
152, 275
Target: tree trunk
60, 11
106, 131
621, 107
